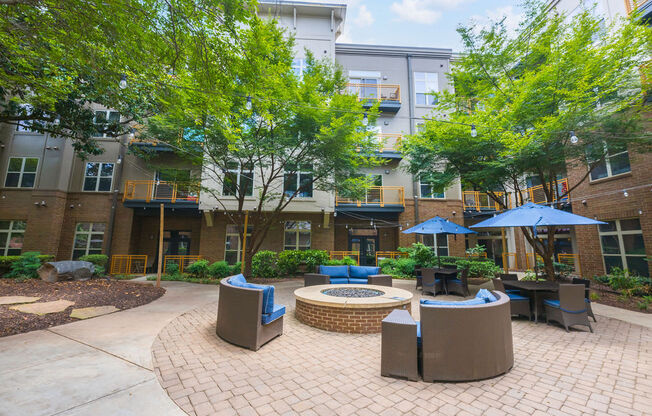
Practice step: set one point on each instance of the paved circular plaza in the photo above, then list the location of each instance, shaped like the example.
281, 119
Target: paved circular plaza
309, 371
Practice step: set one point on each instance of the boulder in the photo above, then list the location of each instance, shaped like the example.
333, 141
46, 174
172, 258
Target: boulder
56, 271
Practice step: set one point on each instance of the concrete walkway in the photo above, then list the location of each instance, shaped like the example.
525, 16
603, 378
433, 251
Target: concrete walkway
101, 366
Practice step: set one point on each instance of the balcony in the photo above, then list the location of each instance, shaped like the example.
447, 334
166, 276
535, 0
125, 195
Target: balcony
537, 195
377, 198
389, 95
148, 193
481, 201
642, 6
150, 145
389, 145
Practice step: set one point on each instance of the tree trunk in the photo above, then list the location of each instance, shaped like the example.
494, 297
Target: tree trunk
248, 269
549, 267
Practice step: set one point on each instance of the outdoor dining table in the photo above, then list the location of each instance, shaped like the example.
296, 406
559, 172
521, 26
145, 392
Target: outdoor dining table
535, 288
448, 274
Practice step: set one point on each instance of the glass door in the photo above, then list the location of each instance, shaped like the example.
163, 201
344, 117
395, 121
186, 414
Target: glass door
365, 242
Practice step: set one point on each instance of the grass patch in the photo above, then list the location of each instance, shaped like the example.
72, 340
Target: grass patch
186, 278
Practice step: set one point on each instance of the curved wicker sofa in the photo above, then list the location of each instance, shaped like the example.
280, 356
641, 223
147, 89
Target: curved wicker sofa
241, 317
466, 342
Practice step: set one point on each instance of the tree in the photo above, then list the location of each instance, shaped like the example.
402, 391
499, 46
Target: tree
526, 96
58, 57
253, 124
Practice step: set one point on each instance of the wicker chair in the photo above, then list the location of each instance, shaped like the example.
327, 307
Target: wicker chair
431, 282
587, 298
519, 305
417, 275
508, 276
459, 285
465, 342
240, 318
571, 307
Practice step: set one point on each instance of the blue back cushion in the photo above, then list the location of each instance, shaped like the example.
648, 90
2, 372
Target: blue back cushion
486, 295
363, 271
474, 301
268, 291
339, 280
334, 271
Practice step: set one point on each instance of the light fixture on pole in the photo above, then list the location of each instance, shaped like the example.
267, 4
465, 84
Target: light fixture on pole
474, 132
123, 82
365, 119
573, 138
248, 105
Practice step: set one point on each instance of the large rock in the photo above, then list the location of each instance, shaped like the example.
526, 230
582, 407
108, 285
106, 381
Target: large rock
43, 308
56, 271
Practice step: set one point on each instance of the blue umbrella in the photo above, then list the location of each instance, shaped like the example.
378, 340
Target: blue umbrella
438, 225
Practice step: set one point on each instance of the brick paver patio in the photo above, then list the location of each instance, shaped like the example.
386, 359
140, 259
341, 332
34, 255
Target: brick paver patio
313, 372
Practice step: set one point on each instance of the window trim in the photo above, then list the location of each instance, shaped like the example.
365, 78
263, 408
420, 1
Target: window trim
238, 173
22, 172
297, 232
107, 115
10, 231
298, 172
619, 233
98, 177
427, 94
430, 197
435, 248
88, 233
607, 162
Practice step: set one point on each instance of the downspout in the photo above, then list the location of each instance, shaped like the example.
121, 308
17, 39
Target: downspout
117, 184
415, 187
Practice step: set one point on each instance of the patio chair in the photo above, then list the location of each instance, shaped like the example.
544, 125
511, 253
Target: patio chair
571, 307
509, 277
430, 281
417, 275
459, 285
587, 298
519, 305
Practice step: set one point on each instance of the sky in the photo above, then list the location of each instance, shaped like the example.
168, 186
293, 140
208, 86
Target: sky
431, 23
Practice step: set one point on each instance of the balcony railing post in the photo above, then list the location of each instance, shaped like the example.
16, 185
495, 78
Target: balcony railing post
174, 193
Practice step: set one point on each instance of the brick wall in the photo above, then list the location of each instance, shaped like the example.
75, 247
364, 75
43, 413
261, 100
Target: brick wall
429, 208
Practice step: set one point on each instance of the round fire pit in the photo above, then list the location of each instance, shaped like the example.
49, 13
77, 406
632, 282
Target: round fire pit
356, 309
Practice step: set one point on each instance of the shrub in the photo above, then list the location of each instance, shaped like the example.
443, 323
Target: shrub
479, 269
198, 269
621, 280
345, 261
420, 253
96, 259
594, 296
26, 266
314, 258
172, 269
265, 264
401, 268
6, 261
289, 261
235, 268
219, 270
602, 279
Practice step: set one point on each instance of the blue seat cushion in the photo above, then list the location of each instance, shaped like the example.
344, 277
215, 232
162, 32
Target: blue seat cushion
334, 271
339, 280
458, 281
419, 333
513, 291
514, 296
436, 281
358, 281
363, 271
268, 291
474, 301
277, 312
486, 295
555, 304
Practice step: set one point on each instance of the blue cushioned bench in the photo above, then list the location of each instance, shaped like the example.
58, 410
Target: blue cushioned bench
335, 275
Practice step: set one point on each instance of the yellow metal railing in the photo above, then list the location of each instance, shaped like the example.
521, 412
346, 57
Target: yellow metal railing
633, 5
338, 255
529, 261
378, 92
507, 263
481, 201
182, 261
571, 260
381, 195
128, 264
538, 196
389, 142
382, 255
160, 191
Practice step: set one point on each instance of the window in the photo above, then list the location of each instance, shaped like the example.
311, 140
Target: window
441, 248
364, 87
427, 190
103, 119
89, 237
233, 245
21, 172
623, 247
238, 179
425, 83
298, 178
615, 163
298, 66
12, 234
297, 235
98, 177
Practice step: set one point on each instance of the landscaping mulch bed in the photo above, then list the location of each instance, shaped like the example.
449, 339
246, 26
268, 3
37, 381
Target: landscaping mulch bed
611, 298
96, 292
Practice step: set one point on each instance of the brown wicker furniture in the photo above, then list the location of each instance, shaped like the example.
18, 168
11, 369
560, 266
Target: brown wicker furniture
587, 284
519, 304
399, 346
459, 284
466, 342
431, 281
537, 291
417, 275
240, 316
570, 309
346, 275
508, 276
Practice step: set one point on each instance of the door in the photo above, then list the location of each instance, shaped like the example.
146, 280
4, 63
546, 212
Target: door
176, 243
364, 241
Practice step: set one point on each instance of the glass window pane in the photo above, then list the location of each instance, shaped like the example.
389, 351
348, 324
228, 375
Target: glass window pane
290, 183
107, 169
638, 265
600, 171
291, 225
443, 251
100, 117
610, 244
619, 164
76, 254
28, 180
429, 240
231, 257
609, 226
231, 229
99, 227
229, 187
96, 242
105, 185
19, 225
612, 261
442, 240
15, 164
304, 239
247, 183
291, 239
631, 224
31, 163
633, 244
232, 242
303, 225
16, 241
13, 252
81, 241
12, 180
92, 168
4, 225
3, 240
114, 117
90, 184
84, 226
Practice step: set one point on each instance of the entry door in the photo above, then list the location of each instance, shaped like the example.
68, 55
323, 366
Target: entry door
366, 245
176, 242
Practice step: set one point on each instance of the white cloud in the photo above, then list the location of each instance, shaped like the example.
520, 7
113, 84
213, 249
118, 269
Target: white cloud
364, 17
510, 16
423, 11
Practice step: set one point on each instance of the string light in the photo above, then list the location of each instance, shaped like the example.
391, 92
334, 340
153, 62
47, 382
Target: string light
474, 132
573, 138
123, 82
626, 194
248, 105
